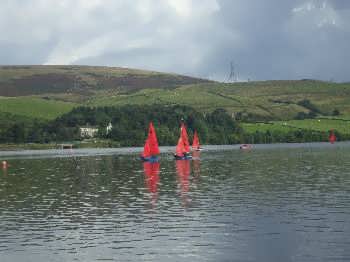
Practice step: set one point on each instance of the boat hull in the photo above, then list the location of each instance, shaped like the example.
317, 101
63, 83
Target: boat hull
245, 147
188, 157
151, 159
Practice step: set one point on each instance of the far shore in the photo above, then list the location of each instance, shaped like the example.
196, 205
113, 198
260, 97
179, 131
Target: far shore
60, 145
51, 150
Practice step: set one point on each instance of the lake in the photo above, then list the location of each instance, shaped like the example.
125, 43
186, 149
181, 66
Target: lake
273, 203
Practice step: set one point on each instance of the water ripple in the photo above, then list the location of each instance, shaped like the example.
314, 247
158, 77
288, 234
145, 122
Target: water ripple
267, 204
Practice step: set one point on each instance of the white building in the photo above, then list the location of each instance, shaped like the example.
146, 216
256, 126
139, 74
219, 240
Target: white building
87, 132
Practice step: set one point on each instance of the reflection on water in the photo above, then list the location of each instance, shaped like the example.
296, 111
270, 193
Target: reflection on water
151, 171
269, 204
183, 170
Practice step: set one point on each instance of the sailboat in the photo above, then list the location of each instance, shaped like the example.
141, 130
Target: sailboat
195, 142
332, 138
183, 146
151, 149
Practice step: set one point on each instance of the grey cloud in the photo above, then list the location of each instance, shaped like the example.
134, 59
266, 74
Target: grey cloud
265, 39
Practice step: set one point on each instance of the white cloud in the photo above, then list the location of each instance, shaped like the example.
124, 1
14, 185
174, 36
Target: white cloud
317, 13
146, 25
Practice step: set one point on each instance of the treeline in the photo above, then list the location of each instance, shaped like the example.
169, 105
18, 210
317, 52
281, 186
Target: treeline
292, 136
130, 123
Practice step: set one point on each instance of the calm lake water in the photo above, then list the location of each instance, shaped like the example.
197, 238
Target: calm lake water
273, 203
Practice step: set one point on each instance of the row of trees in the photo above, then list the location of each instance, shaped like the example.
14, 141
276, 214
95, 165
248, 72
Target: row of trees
129, 127
295, 136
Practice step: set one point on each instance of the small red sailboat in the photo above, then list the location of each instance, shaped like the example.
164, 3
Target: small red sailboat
151, 149
332, 138
195, 143
183, 147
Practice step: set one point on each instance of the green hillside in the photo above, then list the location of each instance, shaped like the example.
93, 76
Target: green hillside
34, 107
45, 92
322, 125
81, 82
271, 100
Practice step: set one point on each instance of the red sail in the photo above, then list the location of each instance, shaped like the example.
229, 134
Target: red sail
180, 149
153, 142
195, 144
146, 149
185, 137
332, 137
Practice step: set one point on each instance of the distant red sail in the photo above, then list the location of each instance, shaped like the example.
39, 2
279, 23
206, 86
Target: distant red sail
332, 138
185, 137
195, 144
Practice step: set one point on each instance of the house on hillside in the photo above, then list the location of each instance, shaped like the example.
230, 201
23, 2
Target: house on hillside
91, 131
88, 132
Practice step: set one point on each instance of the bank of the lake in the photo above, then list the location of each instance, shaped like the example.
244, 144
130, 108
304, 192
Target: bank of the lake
93, 143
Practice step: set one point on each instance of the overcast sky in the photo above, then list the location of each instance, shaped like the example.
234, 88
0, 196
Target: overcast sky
265, 39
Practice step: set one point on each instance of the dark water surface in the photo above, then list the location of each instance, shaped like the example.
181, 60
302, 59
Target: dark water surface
274, 203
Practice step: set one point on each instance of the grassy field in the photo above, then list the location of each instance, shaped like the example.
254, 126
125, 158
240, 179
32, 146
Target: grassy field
342, 126
84, 81
34, 107
111, 86
269, 100
320, 125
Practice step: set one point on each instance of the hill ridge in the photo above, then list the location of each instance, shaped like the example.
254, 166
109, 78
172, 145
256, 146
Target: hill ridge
86, 85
